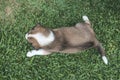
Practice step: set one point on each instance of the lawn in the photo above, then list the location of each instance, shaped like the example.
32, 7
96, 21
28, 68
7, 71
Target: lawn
18, 16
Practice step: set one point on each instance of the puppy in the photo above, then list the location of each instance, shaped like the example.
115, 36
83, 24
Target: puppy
64, 40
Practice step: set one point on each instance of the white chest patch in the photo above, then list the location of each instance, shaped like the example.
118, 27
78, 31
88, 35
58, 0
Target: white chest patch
41, 39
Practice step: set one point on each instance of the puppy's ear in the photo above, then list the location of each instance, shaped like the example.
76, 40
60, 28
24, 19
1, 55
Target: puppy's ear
38, 25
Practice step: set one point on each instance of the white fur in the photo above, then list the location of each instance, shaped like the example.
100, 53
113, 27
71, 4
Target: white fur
26, 36
85, 18
41, 39
105, 59
37, 52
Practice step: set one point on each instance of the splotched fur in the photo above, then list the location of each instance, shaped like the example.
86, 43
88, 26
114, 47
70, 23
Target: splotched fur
64, 40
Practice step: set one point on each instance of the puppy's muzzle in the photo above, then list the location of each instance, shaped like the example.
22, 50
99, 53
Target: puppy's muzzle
26, 36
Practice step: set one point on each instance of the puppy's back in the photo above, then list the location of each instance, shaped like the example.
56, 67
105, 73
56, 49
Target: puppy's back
77, 34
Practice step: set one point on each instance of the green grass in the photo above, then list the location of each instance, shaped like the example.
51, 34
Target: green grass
18, 16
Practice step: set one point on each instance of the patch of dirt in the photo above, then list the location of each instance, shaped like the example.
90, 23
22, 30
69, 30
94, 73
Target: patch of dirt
10, 9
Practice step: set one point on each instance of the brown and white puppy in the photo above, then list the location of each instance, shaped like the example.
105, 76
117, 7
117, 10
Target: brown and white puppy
64, 40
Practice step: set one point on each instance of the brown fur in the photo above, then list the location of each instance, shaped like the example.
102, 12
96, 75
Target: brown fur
68, 39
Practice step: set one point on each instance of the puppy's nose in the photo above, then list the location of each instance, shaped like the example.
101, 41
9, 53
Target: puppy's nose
26, 36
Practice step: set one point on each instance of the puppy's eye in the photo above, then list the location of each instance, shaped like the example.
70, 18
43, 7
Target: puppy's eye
33, 27
30, 38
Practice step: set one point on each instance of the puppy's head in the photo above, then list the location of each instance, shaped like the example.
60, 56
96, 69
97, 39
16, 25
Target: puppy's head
39, 36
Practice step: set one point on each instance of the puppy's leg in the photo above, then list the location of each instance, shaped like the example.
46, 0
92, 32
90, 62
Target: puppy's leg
67, 50
85, 18
37, 52
71, 50
74, 49
79, 48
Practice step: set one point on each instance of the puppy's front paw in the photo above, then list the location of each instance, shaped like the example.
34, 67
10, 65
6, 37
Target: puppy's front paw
30, 54
37, 52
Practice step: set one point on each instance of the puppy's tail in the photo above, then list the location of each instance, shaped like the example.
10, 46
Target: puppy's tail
102, 52
85, 18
